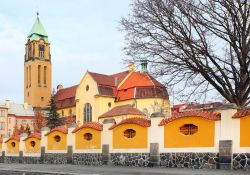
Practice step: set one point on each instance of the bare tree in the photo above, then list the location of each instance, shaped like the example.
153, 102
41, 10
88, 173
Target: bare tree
202, 45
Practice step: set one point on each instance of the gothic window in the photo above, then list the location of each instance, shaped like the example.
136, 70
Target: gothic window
29, 76
129, 133
70, 112
41, 50
87, 113
188, 129
39, 75
45, 75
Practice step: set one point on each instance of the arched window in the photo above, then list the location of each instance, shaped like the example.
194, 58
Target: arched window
44, 75
39, 75
87, 113
41, 50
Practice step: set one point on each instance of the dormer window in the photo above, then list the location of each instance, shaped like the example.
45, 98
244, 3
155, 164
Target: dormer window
41, 50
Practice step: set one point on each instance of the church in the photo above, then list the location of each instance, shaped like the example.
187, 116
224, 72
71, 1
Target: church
125, 94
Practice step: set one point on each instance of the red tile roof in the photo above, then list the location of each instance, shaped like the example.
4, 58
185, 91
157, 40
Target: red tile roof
93, 125
34, 135
209, 115
136, 120
242, 113
121, 110
65, 98
17, 138
141, 85
61, 129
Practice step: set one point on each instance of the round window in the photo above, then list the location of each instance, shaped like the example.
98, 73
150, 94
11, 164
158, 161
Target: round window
188, 129
129, 133
109, 104
57, 138
88, 136
32, 143
13, 144
87, 87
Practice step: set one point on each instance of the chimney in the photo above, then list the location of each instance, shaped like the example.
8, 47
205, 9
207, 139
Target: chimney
59, 87
25, 106
7, 103
144, 65
131, 67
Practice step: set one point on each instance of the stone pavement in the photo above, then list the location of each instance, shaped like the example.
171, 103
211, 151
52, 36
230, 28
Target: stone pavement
43, 169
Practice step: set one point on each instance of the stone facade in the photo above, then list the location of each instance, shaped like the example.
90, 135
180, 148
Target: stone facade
189, 160
31, 160
241, 161
130, 159
55, 158
93, 159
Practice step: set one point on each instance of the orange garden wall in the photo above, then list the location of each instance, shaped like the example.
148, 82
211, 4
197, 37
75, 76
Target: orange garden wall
173, 138
139, 141
32, 149
245, 131
94, 143
53, 145
10, 149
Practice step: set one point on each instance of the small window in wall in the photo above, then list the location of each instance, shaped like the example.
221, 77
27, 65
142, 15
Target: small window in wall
129, 133
87, 88
63, 113
13, 144
189, 129
109, 104
32, 143
57, 138
88, 136
42, 98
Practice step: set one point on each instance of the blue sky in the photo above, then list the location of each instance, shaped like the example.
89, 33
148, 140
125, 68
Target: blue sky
83, 35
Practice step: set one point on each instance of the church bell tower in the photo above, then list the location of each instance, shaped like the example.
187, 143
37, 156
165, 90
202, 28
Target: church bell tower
37, 67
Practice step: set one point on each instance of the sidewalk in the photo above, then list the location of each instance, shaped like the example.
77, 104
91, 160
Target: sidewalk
40, 169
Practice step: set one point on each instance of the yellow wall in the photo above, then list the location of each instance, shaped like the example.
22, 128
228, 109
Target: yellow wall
53, 145
99, 104
81, 143
244, 131
66, 111
10, 149
34, 93
173, 138
1, 146
139, 141
29, 148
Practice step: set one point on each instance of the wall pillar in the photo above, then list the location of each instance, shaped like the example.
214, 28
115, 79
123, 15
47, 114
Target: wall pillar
156, 138
44, 131
225, 154
70, 143
22, 146
107, 140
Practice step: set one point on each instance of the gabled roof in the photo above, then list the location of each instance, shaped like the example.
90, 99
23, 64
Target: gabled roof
93, 125
61, 129
17, 138
121, 110
139, 79
38, 29
34, 135
136, 120
209, 115
109, 80
65, 98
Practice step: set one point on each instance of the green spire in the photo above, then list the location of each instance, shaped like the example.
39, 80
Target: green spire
38, 31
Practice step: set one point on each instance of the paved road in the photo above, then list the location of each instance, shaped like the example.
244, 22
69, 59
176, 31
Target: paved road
42, 169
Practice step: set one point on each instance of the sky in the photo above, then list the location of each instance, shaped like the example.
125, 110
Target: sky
83, 34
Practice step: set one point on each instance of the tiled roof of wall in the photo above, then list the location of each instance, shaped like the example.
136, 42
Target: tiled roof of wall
17, 138
61, 129
136, 120
242, 113
34, 135
210, 115
93, 125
